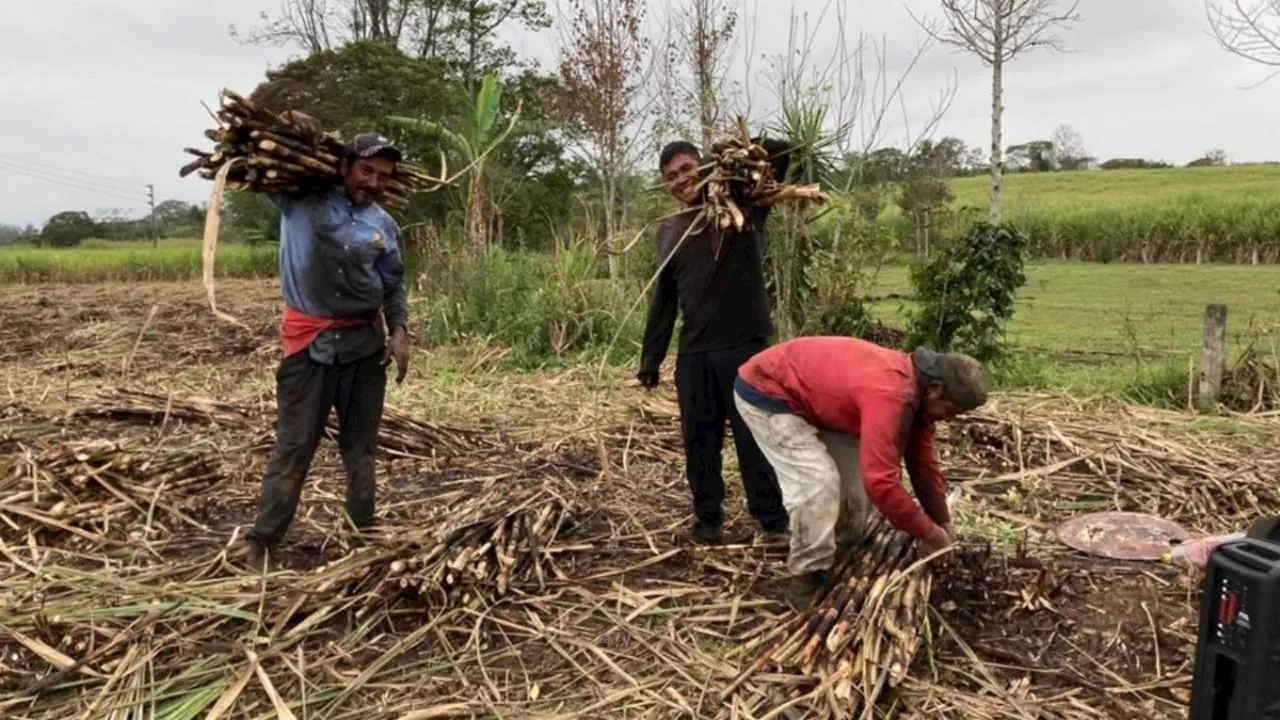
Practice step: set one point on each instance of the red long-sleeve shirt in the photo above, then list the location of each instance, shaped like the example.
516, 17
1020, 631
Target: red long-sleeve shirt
857, 387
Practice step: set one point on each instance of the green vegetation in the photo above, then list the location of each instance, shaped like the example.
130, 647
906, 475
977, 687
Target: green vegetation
102, 261
1123, 330
1211, 214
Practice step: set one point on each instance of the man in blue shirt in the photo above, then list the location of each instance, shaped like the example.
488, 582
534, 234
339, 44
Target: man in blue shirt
342, 279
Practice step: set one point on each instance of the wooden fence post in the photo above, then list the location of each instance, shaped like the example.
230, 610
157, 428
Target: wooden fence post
1213, 359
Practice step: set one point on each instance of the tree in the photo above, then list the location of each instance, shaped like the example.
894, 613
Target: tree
1133, 164
604, 63
175, 218
475, 135
1249, 29
694, 66
1214, 158
68, 229
323, 25
1035, 156
1068, 149
466, 38
997, 31
459, 33
356, 87
9, 234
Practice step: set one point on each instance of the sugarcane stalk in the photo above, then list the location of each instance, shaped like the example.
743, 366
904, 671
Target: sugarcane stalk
298, 158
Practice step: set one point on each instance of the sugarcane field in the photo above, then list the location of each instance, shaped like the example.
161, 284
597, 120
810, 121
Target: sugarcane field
665, 359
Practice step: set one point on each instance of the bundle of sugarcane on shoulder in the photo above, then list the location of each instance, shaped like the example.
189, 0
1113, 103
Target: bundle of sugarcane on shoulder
263, 151
740, 177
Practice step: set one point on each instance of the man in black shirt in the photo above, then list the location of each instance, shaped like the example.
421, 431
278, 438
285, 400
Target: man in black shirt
726, 320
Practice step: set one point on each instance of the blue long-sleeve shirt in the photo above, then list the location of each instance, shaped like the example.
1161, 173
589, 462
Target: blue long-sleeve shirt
340, 259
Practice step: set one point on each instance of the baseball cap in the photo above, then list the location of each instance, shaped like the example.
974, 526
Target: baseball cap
962, 377
369, 144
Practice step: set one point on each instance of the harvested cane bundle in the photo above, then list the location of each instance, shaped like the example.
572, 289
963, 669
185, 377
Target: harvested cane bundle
264, 153
491, 554
859, 636
92, 489
741, 176
259, 151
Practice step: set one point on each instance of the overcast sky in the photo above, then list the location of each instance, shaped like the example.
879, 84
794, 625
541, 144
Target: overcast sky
98, 97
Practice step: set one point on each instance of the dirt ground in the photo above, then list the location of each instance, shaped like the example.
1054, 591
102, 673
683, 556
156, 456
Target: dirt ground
633, 623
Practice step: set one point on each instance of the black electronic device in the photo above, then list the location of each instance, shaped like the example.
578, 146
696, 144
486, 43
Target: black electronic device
1237, 672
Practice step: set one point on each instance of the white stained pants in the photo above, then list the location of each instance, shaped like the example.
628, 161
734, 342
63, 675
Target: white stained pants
821, 481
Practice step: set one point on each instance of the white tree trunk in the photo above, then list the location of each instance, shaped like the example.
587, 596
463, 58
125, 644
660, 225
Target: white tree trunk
610, 198
997, 157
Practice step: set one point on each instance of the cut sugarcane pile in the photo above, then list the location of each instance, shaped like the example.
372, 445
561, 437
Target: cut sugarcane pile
859, 637
490, 554
399, 431
742, 176
92, 489
267, 154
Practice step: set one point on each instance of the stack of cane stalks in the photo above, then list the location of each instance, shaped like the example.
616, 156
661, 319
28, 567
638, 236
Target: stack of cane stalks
741, 175
859, 637
99, 489
268, 154
487, 556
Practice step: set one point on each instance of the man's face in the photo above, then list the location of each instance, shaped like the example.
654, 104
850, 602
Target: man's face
681, 175
367, 179
936, 407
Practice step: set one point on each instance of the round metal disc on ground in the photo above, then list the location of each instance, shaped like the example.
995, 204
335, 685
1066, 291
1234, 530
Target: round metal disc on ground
1122, 535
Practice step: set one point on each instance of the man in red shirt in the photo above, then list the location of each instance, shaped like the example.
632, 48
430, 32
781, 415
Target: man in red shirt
835, 416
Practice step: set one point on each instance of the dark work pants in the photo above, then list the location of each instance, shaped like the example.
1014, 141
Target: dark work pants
704, 386
305, 393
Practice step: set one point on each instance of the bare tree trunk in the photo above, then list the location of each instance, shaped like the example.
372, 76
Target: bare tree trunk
610, 223
997, 157
475, 217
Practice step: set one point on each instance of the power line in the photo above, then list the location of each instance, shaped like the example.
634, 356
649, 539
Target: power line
70, 176
38, 164
139, 199
54, 175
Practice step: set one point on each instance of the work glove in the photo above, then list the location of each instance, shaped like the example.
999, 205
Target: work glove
648, 378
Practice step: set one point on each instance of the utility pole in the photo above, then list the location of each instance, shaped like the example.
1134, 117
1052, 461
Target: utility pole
155, 225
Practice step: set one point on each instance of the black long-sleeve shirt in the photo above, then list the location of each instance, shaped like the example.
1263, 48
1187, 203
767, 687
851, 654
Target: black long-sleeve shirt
723, 303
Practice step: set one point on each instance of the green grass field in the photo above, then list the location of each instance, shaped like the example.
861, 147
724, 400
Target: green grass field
101, 261
1124, 329
1167, 215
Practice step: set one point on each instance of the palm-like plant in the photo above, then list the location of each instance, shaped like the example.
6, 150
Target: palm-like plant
475, 135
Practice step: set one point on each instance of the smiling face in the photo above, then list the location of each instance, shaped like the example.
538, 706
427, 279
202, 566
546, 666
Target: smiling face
367, 179
681, 176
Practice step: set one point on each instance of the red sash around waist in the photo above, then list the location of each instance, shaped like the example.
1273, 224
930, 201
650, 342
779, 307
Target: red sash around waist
298, 330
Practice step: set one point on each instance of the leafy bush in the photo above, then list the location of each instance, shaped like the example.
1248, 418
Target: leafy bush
966, 291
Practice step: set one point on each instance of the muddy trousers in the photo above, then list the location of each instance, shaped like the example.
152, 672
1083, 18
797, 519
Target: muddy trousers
821, 481
305, 393
704, 388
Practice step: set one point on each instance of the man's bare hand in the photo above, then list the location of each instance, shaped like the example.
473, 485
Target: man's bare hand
938, 538
398, 350
304, 122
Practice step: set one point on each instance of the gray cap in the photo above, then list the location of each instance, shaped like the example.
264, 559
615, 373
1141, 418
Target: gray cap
962, 377
367, 145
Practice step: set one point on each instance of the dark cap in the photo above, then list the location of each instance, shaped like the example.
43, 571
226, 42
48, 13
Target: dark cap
367, 145
962, 377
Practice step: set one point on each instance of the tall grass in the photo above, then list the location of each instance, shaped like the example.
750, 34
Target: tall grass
1210, 214
545, 308
101, 261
